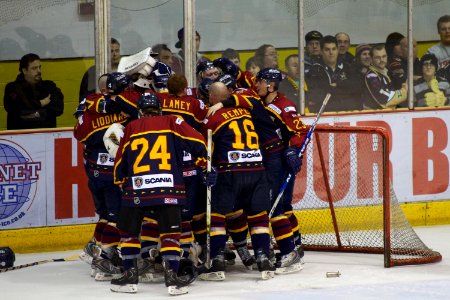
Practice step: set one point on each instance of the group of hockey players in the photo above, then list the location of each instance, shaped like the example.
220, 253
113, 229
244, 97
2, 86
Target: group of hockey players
145, 151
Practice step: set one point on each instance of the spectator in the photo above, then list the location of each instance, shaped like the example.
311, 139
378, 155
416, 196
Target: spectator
253, 65
312, 51
268, 55
379, 92
88, 82
232, 55
343, 40
178, 58
442, 50
290, 84
431, 90
398, 67
329, 76
29, 101
363, 58
164, 54
392, 45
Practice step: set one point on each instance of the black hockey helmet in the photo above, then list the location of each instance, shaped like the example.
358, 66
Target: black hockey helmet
117, 82
203, 88
203, 66
7, 257
228, 80
149, 104
270, 75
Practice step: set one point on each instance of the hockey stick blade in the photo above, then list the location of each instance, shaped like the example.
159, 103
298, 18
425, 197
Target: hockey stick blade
302, 150
40, 262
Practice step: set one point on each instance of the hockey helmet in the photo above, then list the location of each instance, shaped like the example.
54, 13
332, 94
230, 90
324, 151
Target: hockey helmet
7, 257
149, 104
203, 66
117, 82
228, 80
269, 75
203, 88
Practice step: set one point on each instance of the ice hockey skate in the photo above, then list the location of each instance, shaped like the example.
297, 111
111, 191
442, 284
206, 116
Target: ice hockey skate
105, 269
289, 263
127, 282
215, 272
177, 285
265, 266
247, 259
87, 254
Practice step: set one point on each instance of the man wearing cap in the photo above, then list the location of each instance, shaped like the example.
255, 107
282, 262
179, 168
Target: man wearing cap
178, 58
312, 51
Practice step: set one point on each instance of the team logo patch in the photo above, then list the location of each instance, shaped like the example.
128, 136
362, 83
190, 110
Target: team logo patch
233, 156
289, 108
138, 182
103, 158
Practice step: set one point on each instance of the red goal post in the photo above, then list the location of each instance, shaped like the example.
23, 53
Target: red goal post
344, 200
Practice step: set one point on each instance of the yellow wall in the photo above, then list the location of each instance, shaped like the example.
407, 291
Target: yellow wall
67, 75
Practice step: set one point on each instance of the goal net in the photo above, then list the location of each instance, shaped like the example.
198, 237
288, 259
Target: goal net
345, 201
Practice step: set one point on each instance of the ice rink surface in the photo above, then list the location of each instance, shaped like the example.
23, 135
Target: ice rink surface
362, 277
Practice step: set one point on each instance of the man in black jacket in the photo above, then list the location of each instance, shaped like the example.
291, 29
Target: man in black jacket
30, 101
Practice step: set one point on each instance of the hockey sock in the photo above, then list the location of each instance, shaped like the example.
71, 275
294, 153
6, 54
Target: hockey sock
237, 227
218, 234
98, 231
149, 236
295, 227
282, 231
186, 238
110, 237
170, 249
130, 249
198, 225
259, 231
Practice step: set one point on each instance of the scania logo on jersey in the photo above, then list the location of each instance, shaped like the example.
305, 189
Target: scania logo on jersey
244, 156
19, 175
153, 181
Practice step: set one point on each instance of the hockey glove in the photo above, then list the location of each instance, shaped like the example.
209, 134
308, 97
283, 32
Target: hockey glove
210, 178
293, 161
227, 66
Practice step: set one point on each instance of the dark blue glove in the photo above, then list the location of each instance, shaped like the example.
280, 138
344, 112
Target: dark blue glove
210, 178
293, 161
227, 66
160, 75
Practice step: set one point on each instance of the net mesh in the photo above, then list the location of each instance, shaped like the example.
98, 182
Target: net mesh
343, 198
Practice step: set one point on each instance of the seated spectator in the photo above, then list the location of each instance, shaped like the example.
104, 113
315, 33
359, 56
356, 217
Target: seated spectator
379, 92
398, 67
232, 55
253, 65
268, 55
289, 86
165, 55
329, 76
392, 46
343, 40
29, 101
442, 50
363, 58
431, 90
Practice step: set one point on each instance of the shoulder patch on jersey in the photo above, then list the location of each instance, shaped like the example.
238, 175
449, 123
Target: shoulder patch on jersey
179, 121
202, 104
273, 107
289, 108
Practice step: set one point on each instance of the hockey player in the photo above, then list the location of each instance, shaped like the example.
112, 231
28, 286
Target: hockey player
273, 148
148, 168
293, 132
241, 184
92, 124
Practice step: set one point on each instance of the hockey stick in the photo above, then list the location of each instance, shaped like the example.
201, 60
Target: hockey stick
208, 203
40, 262
302, 150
